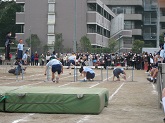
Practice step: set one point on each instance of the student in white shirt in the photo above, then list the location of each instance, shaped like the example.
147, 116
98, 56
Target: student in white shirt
87, 72
72, 61
20, 49
56, 67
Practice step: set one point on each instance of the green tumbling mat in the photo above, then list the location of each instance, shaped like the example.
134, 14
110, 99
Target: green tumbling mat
3, 90
57, 100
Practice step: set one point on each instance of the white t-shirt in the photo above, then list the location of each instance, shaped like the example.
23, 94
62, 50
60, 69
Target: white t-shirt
72, 57
88, 69
53, 62
20, 46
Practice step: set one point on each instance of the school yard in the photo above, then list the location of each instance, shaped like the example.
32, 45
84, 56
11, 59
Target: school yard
131, 101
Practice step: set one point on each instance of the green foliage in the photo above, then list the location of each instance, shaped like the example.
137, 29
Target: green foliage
112, 45
35, 42
8, 11
85, 44
137, 46
45, 48
161, 39
58, 45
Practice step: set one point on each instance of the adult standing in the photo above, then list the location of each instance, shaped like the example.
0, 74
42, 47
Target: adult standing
36, 56
7, 45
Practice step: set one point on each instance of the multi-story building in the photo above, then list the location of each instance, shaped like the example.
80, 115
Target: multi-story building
161, 5
142, 17
72, 18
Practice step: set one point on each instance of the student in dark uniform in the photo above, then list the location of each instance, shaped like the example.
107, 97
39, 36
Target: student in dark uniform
117, 72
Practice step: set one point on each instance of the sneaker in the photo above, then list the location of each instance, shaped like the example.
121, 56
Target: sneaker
146, 72
53, 80
83, 80
155, 80
149, 79
57, 79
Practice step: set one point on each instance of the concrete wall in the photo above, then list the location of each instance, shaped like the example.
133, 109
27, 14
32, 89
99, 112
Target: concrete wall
117, 24
65, 24
36, 19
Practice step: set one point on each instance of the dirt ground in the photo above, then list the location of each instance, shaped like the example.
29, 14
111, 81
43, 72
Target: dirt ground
131, 101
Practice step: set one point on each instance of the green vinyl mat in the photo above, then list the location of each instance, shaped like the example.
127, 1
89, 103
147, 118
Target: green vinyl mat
3, 91
71, 100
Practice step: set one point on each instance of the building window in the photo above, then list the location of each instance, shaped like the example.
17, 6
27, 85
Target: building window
91, 28
20, 28
50, 29
99, 30
51, 39
51, 18
129, 25
51, 8
163, 25
21, 7
91, 6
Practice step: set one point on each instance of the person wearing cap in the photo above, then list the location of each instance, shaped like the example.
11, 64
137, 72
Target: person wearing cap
56, 66
87, 72
117, 72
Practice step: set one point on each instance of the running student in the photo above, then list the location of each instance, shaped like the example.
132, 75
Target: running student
87, 72
56, 67
117, 72
72, 61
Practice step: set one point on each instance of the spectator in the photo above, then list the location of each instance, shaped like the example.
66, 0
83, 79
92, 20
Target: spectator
32, 59
48, 55
36, 56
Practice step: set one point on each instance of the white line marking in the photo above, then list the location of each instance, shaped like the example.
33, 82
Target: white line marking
66, 84
85, 118
22, 119
154, 89
110, 98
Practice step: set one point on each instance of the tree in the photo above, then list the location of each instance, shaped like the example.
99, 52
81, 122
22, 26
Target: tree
35, 42
137, 46
112, 45
161, 39
58, 46
85, 44
8, 11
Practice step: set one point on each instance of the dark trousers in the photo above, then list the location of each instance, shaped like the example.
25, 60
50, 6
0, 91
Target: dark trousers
7, 52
